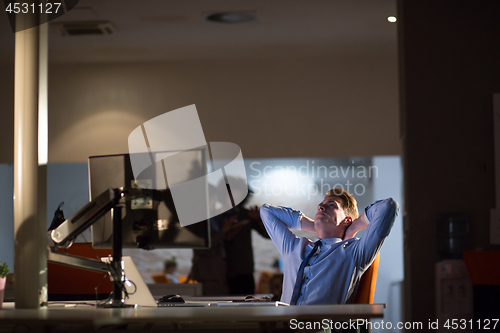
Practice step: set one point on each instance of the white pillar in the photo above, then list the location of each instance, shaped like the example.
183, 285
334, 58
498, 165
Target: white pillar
30, 264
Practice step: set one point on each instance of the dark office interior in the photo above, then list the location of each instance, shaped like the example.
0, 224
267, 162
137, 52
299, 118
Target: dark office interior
421, 89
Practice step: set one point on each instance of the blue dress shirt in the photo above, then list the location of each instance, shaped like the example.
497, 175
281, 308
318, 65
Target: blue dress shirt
332, 275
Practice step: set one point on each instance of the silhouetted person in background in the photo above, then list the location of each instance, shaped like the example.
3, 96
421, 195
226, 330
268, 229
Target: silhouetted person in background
238, 225
209, 266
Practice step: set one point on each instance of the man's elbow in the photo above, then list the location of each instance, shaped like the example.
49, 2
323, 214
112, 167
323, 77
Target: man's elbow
264, 211
392, 206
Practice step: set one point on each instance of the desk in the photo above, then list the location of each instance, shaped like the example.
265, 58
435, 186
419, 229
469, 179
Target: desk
183, 289
85, 318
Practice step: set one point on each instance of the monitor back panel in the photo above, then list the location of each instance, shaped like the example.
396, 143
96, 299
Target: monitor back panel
156, 226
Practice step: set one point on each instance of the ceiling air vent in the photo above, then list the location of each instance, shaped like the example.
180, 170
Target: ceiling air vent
88, 28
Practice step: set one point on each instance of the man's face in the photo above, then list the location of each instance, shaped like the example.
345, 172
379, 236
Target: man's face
330, 212
170, 269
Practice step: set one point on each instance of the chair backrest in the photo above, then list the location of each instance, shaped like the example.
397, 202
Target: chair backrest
160, 278
186, 279
366, 287
481, 269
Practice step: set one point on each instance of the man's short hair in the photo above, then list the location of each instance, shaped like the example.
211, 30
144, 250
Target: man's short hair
170, 263
348, 202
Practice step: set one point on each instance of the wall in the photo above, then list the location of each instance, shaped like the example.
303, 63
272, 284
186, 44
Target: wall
389, 183
7, 215
270, 107
449, 71
7, 112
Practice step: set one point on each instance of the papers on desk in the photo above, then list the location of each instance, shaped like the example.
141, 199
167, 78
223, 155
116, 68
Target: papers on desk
232, 301
221, 304
231, 298
228, 301
237, 304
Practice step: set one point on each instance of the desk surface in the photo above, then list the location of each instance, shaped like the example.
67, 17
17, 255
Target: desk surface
100, 317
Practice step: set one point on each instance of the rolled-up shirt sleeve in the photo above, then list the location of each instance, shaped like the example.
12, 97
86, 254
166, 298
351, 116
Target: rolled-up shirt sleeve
278, 221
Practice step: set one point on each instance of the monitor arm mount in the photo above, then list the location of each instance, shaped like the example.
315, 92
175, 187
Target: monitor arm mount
64, 234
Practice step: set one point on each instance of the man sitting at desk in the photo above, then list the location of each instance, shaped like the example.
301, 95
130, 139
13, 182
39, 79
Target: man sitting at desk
330, 267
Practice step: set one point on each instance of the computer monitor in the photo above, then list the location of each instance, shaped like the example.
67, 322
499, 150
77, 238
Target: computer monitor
153, 223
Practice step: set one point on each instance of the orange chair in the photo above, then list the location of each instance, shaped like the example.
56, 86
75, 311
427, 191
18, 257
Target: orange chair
160, 278
484, 273
263, 284
186, 279
366, 287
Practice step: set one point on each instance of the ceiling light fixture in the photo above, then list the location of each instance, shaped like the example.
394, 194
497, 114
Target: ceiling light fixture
85, 28
392, 19
232, 17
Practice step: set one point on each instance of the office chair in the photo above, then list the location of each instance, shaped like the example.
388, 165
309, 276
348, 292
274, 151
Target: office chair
366, 287
484, 273
365, 292
160, 278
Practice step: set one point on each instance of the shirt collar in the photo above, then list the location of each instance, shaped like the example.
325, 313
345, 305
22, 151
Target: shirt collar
328, 241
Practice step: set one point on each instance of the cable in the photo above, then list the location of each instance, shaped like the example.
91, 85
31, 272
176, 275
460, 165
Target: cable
107, 300
68, 247
135, 287
97, 287
91, 247
121, 284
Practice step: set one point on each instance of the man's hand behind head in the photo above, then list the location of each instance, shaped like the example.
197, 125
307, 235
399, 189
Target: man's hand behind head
358, 224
